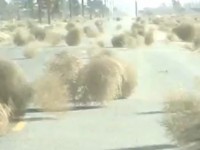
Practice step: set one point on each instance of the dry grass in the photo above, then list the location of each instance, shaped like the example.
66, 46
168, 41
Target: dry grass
14, 89
53, 37
182, 119
90, 32
50, 92
101, 80
185, 32
73, 37
32, 50
22, 37
149, 38
4, 119
67, 68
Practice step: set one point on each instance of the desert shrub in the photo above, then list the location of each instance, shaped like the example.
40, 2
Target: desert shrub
70, 26
67, 68
182, 119
73, 37
149, 38
119, 40
90, 32
138, 28
128, 81
185, 32
172, 37
53, 37
50, 92
101, 80
140, 40
15, 90
4, 119
196, 42
32, 50
99, 25
22, 37
38, 32
131, 42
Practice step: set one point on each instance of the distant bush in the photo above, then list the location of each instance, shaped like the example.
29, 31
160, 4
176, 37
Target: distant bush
149, 38
22, 37
53, 37
31, 50
185, 32
38, 32
73, 37
70, 26
119, 41
90, 32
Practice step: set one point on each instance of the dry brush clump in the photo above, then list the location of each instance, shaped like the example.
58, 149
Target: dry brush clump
50, 92
100, 26
31, 50
4, 119
127, 40
70, 26
38, 32
149, 37
90, 32
129, 81
185, 32
138, 28
182, 119
53, 37
73, 37
101, 80
67, 67
15, 91
22, 37
119, 41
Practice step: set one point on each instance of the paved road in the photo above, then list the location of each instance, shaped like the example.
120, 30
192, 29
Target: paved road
133, 124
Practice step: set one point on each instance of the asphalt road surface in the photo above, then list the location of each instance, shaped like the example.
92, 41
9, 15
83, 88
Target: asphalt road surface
133, 124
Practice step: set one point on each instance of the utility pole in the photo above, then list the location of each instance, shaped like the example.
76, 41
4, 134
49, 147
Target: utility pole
70, 8
82, 8
136, 9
